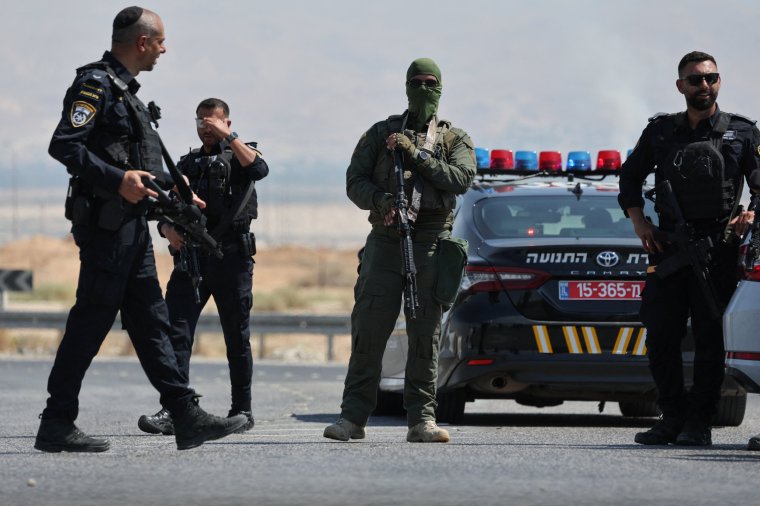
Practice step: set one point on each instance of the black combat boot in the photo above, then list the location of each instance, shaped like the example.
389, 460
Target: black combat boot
664, 432
697, 431
193, 426
160, 423
248, 414
61, 435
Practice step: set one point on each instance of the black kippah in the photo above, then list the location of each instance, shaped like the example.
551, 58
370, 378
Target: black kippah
127, 17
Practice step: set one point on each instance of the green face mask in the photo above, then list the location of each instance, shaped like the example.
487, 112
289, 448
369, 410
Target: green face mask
423, 101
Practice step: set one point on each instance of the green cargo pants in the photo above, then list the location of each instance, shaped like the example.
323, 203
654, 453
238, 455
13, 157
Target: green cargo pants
378, 298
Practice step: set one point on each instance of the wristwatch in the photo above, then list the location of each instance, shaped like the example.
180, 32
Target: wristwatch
422, 156
231, 137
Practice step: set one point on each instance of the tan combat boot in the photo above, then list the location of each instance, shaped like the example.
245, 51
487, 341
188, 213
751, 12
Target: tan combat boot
427, 432
343, 430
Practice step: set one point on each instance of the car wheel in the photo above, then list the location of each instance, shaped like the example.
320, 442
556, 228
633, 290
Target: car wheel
730, 410
389, 404
642, 408
451, 405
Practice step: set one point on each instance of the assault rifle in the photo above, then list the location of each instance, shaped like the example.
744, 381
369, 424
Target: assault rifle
180, 210
411, 302
192, 223
689, 250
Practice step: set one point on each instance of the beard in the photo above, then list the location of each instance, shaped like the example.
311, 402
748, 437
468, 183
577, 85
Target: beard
701, 104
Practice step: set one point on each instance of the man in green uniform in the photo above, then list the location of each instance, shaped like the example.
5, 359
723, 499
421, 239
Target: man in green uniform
439, 164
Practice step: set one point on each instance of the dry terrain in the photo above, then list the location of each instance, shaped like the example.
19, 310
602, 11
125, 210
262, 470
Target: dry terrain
286, 279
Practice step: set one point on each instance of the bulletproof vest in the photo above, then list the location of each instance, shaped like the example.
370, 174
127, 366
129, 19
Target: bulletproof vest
212, 179
697, 174
141, 150
209, 178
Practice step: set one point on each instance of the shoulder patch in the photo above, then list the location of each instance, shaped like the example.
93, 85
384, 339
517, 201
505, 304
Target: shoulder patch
81, 113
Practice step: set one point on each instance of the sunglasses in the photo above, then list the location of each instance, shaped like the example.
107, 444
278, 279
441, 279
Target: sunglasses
696, 79
416, 83
199, 122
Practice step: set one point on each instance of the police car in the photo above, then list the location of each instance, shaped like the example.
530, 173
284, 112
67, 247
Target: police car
548, 308
742, 318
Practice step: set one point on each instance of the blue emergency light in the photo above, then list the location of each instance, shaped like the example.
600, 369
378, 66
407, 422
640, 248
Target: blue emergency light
526, 160
578, 161
482, 158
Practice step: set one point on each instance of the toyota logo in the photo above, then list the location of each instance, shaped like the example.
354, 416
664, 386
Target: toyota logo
607, 259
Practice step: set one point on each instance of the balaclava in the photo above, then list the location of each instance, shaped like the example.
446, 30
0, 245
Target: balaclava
423, 101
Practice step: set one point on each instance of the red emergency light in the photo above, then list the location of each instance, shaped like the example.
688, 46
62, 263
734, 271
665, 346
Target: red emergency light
550, 160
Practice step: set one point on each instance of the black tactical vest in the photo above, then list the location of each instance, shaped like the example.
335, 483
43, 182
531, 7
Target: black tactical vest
697, 173
212, 179
142, 149
209, 178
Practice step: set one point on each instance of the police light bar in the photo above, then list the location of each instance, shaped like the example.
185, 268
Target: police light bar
578, 161
550, 160
628, 153
482, 158
502, 159
526, 160
608, 159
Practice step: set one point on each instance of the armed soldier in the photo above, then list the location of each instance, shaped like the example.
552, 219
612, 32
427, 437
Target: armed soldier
704, 155
222, 172
107, 143
438, 164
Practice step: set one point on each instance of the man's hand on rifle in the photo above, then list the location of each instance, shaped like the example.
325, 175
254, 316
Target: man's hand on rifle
742, 222
402, 142
132, 188
175, 238
196, 199
645, 230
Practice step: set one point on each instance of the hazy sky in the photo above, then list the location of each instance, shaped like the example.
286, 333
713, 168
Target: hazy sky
306, 78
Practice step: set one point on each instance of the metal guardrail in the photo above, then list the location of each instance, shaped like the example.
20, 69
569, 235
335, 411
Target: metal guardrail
261, 324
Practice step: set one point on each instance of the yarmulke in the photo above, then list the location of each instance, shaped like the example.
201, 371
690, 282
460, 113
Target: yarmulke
127, 17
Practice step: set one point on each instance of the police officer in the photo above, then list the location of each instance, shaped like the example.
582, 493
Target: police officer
440, 164
705, 154
222, 172
106, 142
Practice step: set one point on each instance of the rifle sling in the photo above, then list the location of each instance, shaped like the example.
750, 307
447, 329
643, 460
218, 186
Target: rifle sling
229, 218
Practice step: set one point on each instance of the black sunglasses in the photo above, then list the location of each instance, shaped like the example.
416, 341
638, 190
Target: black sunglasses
696, 79
416, 83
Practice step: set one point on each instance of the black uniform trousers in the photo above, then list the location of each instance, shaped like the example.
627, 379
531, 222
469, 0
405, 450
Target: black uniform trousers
665, 308
117, 273
229, 281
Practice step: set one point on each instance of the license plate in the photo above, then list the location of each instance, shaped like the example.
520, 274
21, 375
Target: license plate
600, 290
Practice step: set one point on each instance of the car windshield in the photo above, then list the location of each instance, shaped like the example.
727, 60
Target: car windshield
552, 216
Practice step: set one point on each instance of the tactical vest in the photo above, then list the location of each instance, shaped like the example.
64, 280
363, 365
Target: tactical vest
432, 198
697, 173
212, 179
142, 149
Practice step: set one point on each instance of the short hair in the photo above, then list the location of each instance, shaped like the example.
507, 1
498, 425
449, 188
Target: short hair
132, 22
214, 103
694, 57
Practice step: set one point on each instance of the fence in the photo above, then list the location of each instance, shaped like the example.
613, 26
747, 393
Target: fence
261, 324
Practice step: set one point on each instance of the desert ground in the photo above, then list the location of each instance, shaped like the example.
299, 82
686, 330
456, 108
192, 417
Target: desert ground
286, 279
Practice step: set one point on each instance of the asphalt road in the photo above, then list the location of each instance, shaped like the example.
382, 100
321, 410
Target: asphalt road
506, 454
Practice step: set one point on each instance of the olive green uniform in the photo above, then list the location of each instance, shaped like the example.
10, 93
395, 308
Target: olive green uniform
371, 185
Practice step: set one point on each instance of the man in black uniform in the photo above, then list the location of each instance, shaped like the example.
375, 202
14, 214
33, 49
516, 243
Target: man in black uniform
222, 173
705, 154
107, 144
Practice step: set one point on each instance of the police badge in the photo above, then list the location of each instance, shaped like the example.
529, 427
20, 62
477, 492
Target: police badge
81, 113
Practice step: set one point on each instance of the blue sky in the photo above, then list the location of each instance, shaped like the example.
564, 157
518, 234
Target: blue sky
306, 78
